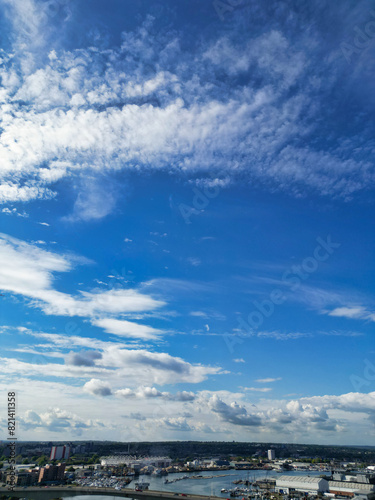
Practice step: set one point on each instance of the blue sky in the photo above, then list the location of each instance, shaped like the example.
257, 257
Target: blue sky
187, 220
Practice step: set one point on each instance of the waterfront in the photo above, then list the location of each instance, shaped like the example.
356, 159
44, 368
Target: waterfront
210, 484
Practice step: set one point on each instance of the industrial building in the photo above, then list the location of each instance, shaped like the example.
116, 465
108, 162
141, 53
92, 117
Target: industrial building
306, 484
363, 495
361, 489
349, 488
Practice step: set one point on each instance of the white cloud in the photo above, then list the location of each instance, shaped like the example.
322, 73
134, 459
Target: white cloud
152, 392
239, 360
117, 301
352, 312
350, 402
233, 413
115, 364
175, 423
13, 366
112, 362
96, 199
258, 389
97, 387
267, 380
62, 341
301, 415
83, 358
56, 420
141, 366
323, 417
129, 329
199, 314
14, 211
80, 121
29, 272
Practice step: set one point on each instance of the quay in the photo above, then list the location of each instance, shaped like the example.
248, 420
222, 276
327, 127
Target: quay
50, 492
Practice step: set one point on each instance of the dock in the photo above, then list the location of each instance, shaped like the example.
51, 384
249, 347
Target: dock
49, 492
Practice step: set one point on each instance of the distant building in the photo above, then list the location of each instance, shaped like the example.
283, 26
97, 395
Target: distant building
364, 495
21, 479
135, 463
60, 452
271, 454
51, 473
219, 463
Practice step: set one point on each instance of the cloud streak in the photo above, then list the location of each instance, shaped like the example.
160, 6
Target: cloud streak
91, 112
30, 272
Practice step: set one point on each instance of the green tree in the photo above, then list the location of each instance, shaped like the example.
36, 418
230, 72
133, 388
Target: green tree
42, 461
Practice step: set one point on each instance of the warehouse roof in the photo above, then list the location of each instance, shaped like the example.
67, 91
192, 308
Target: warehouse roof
299, 479
351, 485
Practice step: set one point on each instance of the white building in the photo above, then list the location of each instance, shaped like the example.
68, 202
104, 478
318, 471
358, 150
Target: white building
309, 484
271, 454
60, 452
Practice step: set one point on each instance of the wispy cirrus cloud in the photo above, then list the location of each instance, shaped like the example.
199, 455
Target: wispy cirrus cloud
267, 380
257, 389
124, 328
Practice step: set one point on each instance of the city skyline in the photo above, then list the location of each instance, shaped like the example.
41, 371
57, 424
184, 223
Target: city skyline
187, 237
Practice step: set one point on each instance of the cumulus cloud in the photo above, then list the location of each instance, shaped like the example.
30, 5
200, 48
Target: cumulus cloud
233, 413
152, 392
83, 358
175, 423
350, 402
162, 368
183, 396
306, 413
97, 387
311, 416
56, 420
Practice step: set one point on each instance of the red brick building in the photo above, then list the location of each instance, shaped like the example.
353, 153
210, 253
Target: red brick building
51, 473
